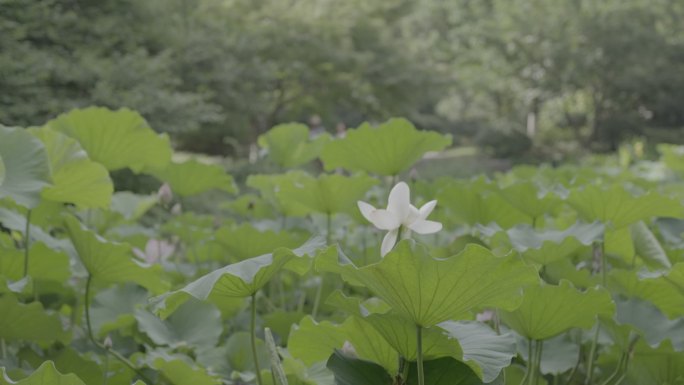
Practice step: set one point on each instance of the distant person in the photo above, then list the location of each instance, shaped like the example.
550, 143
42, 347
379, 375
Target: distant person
316, 126
341, 130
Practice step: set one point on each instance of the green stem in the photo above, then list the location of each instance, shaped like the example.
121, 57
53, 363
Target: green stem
403, 369
528, 367
3, 349
592, 353
537, 361
111, 351
27, 242
319, 290
574, 369
419, 342
253, 339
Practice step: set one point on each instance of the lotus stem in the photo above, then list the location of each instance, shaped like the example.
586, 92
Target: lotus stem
419, 357
107, 349
528, 367
253, 340
27, 242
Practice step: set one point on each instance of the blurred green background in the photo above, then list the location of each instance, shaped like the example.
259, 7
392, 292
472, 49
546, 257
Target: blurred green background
530, 80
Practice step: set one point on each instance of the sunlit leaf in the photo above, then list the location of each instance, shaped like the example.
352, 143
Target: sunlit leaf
117, 139
75, 178
387, 149
427, 290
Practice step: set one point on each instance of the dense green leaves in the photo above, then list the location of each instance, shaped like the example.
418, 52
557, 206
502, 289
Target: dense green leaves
28, 322
387, 149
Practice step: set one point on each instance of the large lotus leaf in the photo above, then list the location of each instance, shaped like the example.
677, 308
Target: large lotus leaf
241, 279
427, 290
245, 241
444, 371
484, 351
619, 243
548, 246
195, 324
76, 179
132, 206
24, 166
192, 177
547, 310
46, 374
28, 322
117, 139
44, 264
649, 321
665, 290
289, 145
620, 207
326, 194
313, 342
476, 202
397, 330
387, 149
648, 247
69, 360
656, 366
530, 199
672, 231
270, 185
111, 262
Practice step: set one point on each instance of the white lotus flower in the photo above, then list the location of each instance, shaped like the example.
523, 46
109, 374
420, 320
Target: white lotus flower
400, 212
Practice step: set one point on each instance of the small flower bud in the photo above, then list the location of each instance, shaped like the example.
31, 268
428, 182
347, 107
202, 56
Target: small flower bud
108, 342
165, 195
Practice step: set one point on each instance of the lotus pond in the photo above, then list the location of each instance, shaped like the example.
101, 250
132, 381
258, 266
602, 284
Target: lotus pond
345, 267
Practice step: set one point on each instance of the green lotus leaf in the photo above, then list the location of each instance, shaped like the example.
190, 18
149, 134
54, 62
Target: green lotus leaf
548, 310
114, 308
110, 262
658, 366
673, 156
530, 199
179, 370
245, 241
484, 351
241, 279
17, 222
327, 194
192, 177
269, 186
620, 207
28, 322
45, 264
444, 371
387, 149
354, 371
475, 344
546, 247
195, 324
427, 290
650, 322
132, 206
116, 139
289, 145
24, 166
664, 289
312, 342
76, 179
46, 374
69, 360
648, 247
476, 202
